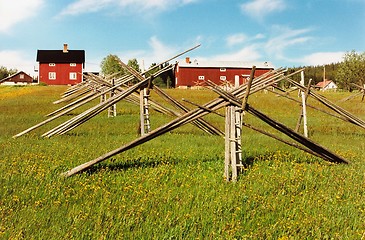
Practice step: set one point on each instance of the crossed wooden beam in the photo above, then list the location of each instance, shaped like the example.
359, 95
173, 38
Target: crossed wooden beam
97, 86
226, 98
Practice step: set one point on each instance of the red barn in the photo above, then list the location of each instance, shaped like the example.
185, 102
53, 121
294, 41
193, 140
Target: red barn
61, 67
19, 78
190, 74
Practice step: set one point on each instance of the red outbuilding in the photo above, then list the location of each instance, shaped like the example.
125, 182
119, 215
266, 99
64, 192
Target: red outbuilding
61, 67
194, 73
19, 78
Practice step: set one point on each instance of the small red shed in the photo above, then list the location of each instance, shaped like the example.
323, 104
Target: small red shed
61, 67
19, 78
193, 73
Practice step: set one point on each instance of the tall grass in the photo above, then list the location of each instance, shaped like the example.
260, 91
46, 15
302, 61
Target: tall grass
173, 187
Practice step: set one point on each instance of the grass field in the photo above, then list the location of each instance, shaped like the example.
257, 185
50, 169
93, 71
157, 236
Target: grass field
173, 187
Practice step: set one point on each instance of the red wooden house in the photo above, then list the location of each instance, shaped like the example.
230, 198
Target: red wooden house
61, 67
190, 74
19, 78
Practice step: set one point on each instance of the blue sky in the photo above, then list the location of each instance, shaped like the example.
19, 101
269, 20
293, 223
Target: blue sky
284, 32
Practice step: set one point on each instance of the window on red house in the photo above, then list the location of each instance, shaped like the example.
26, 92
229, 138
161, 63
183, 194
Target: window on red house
52, 76
73, 76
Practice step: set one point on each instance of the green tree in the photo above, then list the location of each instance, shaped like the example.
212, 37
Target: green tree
110, 65
163, 80
351, 70
4, 72
133, 63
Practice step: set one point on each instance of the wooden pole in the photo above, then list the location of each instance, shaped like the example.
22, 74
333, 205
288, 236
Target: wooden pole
249, 84
233, 143
304, 100
227, 155
238, 133
303, 110
141, 112
112, 111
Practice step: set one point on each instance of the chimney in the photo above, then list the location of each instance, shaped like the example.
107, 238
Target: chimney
187, 60
65, 48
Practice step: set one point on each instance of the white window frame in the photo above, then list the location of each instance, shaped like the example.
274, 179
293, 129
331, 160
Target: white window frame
223, 78
73, 76
72, 64
52, 75
51, 64
223, 69
201, 78
21, 76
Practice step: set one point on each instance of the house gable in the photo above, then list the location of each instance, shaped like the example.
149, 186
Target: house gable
17, 78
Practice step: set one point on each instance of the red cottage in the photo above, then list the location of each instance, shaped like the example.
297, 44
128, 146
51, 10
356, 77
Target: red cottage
19, 78
190, 74
61, 67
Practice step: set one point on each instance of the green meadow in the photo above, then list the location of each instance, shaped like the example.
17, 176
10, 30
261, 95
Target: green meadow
173, 187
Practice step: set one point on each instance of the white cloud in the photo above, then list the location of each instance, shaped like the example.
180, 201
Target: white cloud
274, 48
284, 38
157, 52
236, 39
248, 53
321, 58
15, 11
258, 9
16, 60
259, 36
84, 6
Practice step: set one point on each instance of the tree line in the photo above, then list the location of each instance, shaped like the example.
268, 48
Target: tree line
346, 74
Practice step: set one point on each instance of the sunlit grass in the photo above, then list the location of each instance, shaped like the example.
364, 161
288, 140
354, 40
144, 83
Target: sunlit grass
173, 187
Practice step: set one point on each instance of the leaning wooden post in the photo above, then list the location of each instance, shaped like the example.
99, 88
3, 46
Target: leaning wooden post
227, 156
304, 100
144, 108
233, 143
248, 89
141, 111
303, 112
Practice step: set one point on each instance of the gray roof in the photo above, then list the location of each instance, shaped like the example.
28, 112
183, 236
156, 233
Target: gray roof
224, 64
